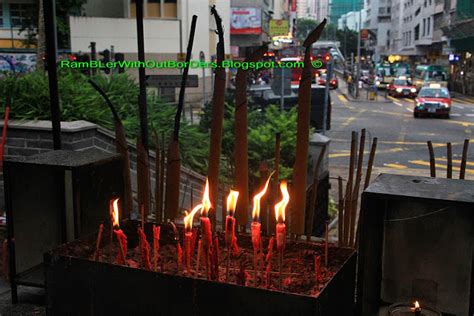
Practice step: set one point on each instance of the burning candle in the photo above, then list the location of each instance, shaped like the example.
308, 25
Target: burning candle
230, 239
121, 237
256, 227
417, 309
206, 227
280, 226
188, 235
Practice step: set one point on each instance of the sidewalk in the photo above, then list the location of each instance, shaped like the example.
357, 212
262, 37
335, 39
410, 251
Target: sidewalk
363, 94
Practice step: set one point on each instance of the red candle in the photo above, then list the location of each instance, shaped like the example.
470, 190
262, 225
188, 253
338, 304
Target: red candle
121, 237
256, 227
206, 227
280, 217
188, 235
280, 226
156, 246
230, 239
317, 268
144, 250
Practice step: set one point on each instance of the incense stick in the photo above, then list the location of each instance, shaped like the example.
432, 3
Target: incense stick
449, 167
173, 170
122, 148
355, 193
432, 159
217, 118
348, 197
340, 214
297, 211
314, 194
462, 171
370, 164
97, 244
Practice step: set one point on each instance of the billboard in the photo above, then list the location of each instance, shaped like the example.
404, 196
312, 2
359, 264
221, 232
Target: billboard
278, 27
246, 21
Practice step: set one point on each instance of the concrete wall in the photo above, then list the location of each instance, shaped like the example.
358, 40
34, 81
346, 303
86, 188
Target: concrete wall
34, 137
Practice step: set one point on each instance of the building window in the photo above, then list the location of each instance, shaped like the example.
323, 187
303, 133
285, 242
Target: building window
1, 16
417, 32
424, 27
428, 26
20, 12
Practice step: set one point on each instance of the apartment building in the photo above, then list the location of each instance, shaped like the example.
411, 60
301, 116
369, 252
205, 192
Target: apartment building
352, 20
12, 15
378, 22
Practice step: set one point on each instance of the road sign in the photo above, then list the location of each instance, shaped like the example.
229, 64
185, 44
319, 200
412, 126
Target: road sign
278, 27
171, 81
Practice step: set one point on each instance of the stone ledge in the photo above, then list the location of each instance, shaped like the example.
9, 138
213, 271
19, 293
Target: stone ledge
41, 125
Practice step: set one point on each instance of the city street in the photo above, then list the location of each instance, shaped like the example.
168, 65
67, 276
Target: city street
402, 139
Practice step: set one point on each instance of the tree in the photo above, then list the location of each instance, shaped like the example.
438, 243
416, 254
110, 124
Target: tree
64, 8
304, 27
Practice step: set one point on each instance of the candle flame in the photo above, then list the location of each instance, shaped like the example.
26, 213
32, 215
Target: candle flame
115, 213
232, 202
188, 219
281, 206
206, 202
417, 305
257, 198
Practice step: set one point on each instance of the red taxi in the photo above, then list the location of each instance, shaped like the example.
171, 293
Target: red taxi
402, 87
433, 100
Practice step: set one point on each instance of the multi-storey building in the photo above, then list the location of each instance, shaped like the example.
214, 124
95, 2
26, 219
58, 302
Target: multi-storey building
352, 20
339, 7
378, 22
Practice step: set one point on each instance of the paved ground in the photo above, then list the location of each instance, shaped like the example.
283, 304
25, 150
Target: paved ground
401, 138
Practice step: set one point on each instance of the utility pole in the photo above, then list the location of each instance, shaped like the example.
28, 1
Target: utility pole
358, 55
326, 94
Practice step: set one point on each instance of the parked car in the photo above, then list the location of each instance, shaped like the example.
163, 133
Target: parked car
433, 100
402, 87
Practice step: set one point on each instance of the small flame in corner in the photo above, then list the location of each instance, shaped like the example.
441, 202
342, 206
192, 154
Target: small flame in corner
281, 206
206, 202
232, 202
115, 213
188, 219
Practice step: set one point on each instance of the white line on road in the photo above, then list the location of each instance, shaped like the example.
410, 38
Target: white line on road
459, 106
409, 110
455, 114
469, 114
397, 103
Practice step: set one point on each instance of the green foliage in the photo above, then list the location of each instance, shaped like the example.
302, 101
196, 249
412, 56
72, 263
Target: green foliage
79, 101
304, 27
64, 8
262, 128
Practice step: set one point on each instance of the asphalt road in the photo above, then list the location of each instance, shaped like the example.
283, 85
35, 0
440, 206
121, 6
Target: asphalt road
402, 147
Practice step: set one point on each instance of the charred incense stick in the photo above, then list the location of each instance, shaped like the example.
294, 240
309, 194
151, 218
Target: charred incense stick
217, 117
302, 136
122, 149
317, 268
432, 160
158, 188
355, 193
241, 141
370, 164
462, 171
326, 245
173, 170
97, 244
449, 171
264, 172
143, 178
348, 197
314, 195
340, 214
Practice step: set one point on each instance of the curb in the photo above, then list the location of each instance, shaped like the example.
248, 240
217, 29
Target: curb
351, 99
